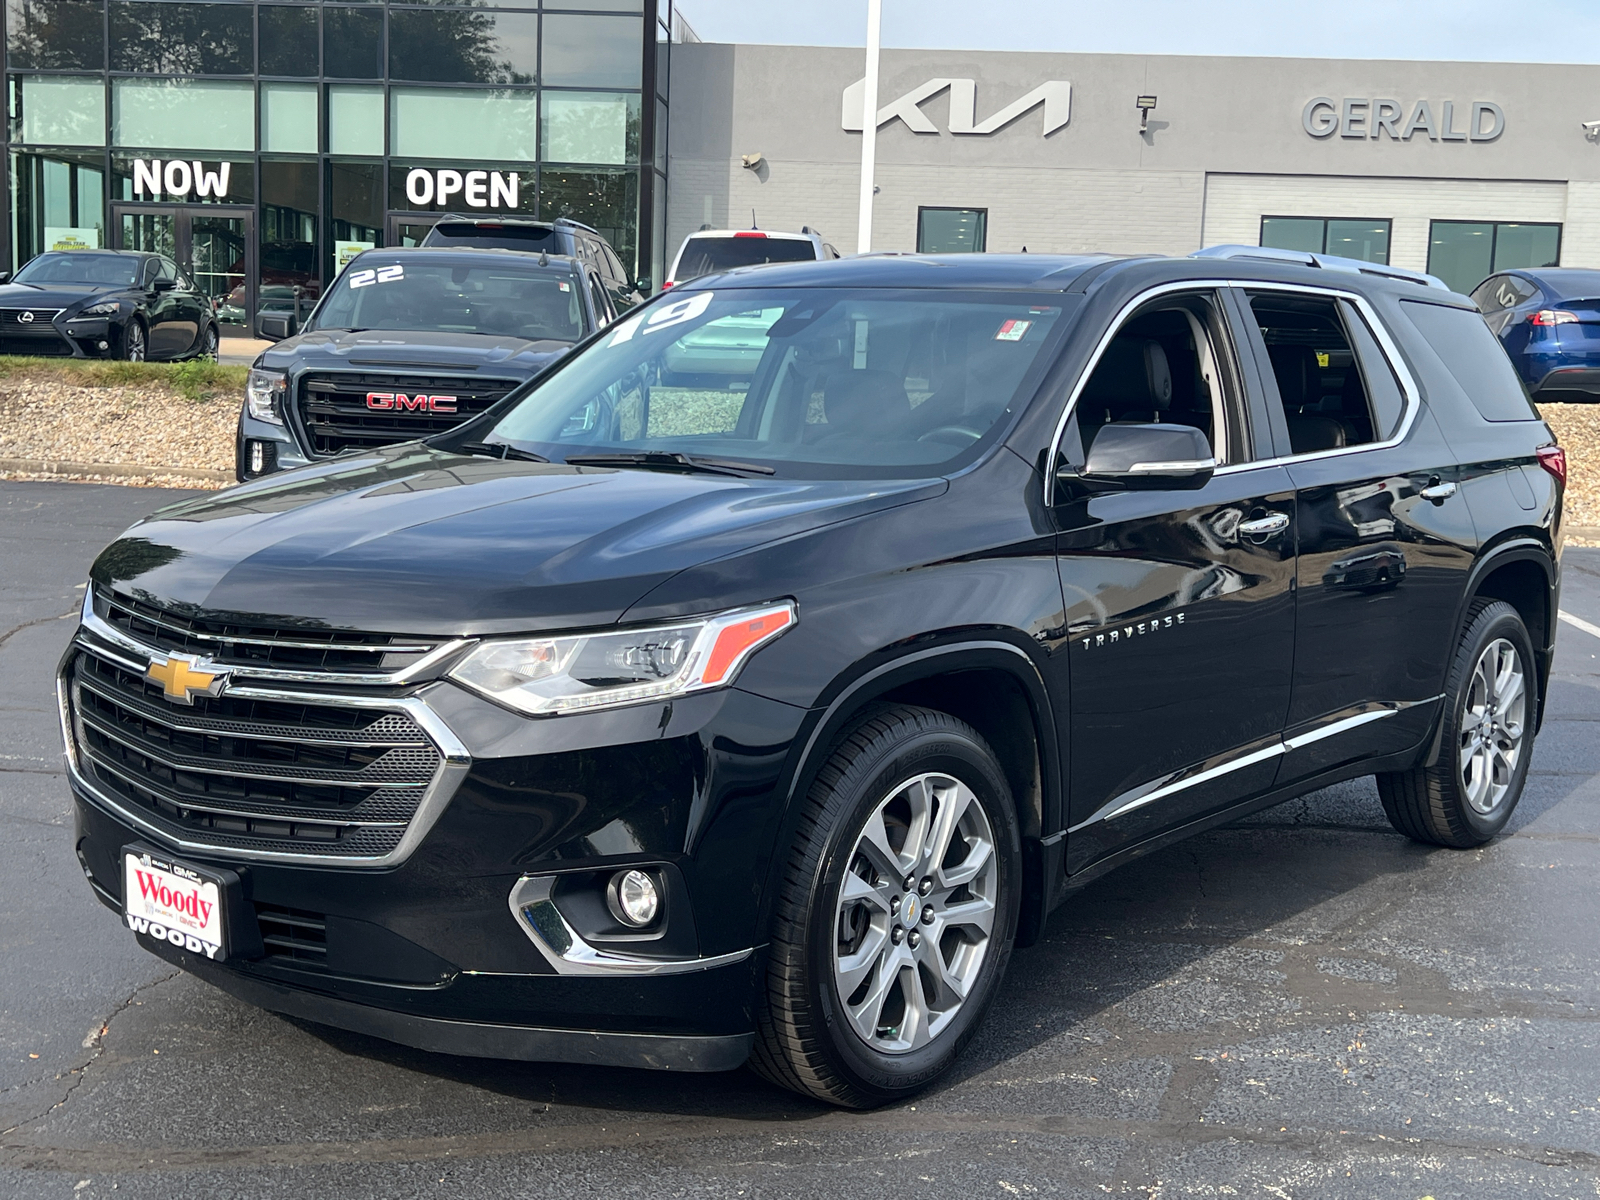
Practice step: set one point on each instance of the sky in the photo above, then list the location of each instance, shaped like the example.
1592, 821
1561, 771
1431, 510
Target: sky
1472, 30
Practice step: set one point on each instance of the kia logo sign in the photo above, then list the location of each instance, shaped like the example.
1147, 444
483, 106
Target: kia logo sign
175, 177
480, 189
1054, 96
384, 401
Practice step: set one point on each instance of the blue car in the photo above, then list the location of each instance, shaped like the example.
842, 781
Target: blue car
1549, 322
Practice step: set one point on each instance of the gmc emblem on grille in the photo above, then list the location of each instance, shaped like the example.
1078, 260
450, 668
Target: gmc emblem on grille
418, 403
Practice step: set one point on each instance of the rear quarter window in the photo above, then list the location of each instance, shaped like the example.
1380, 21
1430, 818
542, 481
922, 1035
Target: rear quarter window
1474, 359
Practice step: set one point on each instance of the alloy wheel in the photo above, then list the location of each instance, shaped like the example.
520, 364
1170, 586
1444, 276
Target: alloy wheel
208, 345
133, 342
1493, 723
916, 911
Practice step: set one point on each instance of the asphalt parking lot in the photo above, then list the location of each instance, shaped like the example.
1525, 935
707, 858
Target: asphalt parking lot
1303, 1005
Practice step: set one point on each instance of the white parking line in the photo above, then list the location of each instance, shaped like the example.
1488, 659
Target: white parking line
1580, 623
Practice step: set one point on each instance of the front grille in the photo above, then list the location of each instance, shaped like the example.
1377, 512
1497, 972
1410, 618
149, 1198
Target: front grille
293, 933
233, 772
335, 412
35, 337
244, 644
11, 320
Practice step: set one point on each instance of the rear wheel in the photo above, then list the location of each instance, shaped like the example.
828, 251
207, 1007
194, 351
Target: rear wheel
1467, 797
896, 914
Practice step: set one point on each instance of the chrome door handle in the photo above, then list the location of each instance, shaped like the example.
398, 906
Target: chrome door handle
1271, 523
1438, 492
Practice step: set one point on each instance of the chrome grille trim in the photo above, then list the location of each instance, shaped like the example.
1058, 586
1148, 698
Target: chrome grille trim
110, 645
153, 617
100, 627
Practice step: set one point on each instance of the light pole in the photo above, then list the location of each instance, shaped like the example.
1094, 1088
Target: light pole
869, 127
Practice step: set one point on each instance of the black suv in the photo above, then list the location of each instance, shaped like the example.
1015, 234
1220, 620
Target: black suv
462, 231
752, 682
408, 343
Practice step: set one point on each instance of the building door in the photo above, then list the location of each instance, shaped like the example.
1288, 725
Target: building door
407, 229
214, 244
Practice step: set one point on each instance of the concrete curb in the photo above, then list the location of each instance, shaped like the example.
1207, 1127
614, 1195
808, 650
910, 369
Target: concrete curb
1587, 532
44, 466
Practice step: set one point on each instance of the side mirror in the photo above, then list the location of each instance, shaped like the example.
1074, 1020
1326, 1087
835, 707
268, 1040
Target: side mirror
5, 276
274, 327
163, 285
1149, 457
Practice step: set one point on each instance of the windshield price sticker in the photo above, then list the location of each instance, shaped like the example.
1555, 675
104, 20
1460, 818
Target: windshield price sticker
376, 275
171, 903
665, 317
1013, 331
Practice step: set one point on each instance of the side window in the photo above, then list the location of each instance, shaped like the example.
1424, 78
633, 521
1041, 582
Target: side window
1170, 363
1377, 373
1493, 295
1325, 399
611, 267
168, 270
148, 276
1474, 358
602, 302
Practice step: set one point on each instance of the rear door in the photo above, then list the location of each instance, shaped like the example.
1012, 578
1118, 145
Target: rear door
1179, 606
1385, 536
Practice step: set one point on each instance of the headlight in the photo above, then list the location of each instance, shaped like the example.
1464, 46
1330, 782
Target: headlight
264, 392
108, 309
544, 676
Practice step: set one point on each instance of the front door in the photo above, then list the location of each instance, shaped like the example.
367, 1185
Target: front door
1180, 608
213, 244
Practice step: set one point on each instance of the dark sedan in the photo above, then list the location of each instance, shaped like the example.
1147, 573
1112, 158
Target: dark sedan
1549, 322
105, 304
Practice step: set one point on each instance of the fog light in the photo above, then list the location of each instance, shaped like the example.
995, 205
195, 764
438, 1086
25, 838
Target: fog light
258, 458
633, 898
103, 345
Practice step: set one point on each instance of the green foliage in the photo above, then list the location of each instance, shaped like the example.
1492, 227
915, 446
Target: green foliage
199, 380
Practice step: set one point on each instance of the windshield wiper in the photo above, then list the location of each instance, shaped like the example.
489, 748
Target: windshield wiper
662, 460
499, 450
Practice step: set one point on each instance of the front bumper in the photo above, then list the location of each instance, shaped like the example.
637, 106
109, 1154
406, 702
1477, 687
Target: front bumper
279, 450
435, 949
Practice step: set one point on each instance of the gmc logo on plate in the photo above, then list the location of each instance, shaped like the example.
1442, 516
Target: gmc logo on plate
433, 404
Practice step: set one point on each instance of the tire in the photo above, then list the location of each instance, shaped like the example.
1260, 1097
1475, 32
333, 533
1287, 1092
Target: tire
850, 1015
1467, 797
135, 345
209, 343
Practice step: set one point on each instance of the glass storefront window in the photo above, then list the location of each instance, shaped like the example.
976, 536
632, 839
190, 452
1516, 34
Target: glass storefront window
355, 211
355, 120
58, 110
600, 5
597, 52
591, 127
457, 124
183, 39
952, 230
288, 237
57, 203
352, 42
463, 46
55, 35
1465, 253
289, 42
289, 118
183, 114
182, 178
1348, 237
607, 200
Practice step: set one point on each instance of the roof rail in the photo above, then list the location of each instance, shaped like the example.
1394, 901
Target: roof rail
1328, 262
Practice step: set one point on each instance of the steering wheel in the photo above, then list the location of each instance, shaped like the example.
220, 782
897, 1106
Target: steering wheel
964, 432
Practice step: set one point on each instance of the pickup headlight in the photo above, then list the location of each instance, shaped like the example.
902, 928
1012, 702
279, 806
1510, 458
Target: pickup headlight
264, 391
108, 309
581, 672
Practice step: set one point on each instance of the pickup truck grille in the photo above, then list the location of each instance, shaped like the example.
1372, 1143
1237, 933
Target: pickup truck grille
305, 777
293, 648
342, 410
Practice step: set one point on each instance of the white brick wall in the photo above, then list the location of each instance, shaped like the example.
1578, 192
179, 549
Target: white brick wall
1235, 204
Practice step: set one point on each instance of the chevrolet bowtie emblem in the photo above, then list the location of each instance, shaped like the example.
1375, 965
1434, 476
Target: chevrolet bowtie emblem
182, 678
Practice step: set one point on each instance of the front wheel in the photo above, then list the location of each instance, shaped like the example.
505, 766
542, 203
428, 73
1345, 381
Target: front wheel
208, 344
134, 346
1467, 797
896, 914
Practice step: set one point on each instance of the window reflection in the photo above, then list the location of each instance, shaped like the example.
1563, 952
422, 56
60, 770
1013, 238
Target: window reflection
355, 211
352, 42
599, 52
59, 202
288, 238
459, 46
182, 39
288, 41
591, 127
607, 200
55, 35
59, 110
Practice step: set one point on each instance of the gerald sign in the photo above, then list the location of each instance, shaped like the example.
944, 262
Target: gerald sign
1362, 119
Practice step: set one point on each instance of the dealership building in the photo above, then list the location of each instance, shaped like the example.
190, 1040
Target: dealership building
262, 144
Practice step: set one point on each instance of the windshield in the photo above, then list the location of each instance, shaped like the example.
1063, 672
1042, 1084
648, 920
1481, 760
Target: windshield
703, 255
97, 269
441, 297
493, 236
813, 382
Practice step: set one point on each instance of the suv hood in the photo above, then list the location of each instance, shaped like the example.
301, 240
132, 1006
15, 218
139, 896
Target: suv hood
414, 540
393, 348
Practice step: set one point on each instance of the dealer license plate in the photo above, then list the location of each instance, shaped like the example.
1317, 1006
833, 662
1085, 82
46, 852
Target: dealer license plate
173, 902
